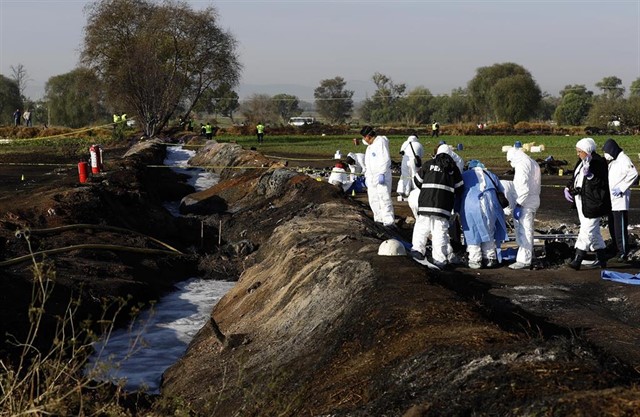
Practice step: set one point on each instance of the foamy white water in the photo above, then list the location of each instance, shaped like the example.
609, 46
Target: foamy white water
140, 354
177, 157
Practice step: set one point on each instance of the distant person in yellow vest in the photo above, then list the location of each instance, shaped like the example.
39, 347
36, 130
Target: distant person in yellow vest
208, 130
116, 120
260, 132
435, 129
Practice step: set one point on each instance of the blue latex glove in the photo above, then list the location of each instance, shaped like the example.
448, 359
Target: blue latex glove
567, 195
381, 179
517, 212
616, 192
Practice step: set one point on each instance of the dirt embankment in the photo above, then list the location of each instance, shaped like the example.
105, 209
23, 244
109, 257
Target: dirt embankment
100, 241
319, 324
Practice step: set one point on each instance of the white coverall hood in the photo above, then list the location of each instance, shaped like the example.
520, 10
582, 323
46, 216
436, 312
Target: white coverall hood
586, 145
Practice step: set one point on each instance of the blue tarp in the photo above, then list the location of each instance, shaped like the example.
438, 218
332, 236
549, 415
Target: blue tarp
622, 277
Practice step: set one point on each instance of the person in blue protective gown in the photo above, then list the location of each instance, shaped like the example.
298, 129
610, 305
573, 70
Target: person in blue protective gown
482, 216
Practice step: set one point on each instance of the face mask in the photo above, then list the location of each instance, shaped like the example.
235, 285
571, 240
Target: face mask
608, 157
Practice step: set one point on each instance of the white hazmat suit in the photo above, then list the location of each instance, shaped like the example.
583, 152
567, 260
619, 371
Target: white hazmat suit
526, 184
412, 152
377, 161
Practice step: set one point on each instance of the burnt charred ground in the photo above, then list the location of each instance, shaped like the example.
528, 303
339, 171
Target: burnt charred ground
402, 339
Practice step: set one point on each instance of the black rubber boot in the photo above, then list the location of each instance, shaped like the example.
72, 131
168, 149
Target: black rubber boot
577, 261
602, 258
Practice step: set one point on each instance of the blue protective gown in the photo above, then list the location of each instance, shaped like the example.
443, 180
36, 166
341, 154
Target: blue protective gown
481, 215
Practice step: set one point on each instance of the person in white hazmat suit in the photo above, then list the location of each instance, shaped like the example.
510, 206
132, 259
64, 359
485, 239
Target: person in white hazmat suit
377, 161
622, 175
526, 183
357, 168
340, 178
482, 216
510, 193
412, 152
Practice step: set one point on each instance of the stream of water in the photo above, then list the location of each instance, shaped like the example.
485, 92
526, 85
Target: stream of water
138, 355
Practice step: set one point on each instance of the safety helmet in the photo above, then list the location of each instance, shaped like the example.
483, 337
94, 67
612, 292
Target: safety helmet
392, 247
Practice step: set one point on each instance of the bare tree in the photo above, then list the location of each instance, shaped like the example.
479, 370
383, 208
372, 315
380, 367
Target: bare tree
155, 59
20, 76
259, 108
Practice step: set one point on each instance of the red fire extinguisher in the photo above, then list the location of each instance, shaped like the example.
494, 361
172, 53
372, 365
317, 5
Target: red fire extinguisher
83, 171
96, 158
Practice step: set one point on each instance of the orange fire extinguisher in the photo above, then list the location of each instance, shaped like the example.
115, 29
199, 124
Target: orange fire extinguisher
83, 171
96, 158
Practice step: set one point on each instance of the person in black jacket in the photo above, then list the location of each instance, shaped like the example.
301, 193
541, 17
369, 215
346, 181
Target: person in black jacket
589, 191
439, 181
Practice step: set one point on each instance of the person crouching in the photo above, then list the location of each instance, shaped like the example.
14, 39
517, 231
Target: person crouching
439, 181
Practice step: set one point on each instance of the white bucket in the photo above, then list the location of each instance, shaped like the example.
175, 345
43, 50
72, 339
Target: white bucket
536, 149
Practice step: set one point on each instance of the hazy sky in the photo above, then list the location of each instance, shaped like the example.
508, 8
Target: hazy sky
435, 44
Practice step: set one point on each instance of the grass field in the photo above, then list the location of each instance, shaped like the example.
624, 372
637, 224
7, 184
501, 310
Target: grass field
487, 149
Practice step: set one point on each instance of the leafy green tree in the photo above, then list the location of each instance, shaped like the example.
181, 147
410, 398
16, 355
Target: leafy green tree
631, 113
453, 108
611, 87
10, 99
492, 98
384, 106
156, 58
415, 107
223, 100
515, 98
605, 110
333, 102
75, 99
574, 105
259, 108
286, 106
547, 107
634, 90
226, 101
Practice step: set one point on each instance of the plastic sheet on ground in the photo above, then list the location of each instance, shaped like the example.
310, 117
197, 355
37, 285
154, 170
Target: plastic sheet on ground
622, 277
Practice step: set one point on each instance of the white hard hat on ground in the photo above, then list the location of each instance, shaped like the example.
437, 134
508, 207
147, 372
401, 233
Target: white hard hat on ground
392, 247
